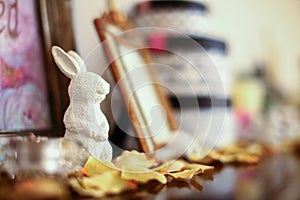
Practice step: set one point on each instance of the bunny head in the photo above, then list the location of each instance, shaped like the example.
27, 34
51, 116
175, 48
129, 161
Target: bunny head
84, 86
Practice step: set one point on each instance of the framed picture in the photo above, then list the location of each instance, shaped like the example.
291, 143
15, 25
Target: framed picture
130, 63
33, 93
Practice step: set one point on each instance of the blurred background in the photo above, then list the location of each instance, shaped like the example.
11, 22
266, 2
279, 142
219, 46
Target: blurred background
254, 44
254, 47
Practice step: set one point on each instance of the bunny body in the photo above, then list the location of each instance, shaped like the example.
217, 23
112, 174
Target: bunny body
83, 119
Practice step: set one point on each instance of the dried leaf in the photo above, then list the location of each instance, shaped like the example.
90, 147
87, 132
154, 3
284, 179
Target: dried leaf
94, 166
134, 159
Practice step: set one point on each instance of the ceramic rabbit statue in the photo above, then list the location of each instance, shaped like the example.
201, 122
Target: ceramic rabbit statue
84, 120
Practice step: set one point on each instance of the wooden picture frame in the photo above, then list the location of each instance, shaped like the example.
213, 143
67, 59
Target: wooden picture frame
130, 64
55, 28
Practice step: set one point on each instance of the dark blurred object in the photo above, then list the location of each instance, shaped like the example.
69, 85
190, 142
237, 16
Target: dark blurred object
189, 15
6, 185
297, 148
170, 4
171, 42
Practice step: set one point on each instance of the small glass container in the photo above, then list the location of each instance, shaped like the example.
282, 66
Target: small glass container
24, 157
7, 150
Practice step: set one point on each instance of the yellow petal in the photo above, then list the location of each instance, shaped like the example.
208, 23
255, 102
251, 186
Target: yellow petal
94, 166
134, 159
91, 183
198, 167
170, 166
176, 166
255, 149
87, 192
162, 168
235, 153
110, 183
247, 158
194, 157
184, 175
143, 176
101, 184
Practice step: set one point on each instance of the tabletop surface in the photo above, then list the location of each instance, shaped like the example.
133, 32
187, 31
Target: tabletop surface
275, 177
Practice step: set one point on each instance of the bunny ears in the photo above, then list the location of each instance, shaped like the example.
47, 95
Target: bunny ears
69, 63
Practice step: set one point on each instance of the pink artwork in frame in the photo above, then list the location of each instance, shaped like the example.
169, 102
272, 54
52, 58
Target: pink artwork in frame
24, 102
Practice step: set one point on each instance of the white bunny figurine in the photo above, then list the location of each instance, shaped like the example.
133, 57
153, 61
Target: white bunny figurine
84, 120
